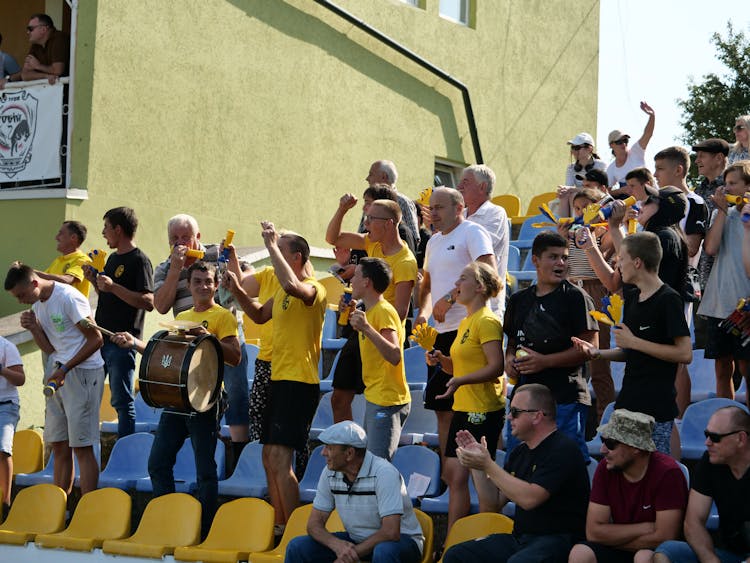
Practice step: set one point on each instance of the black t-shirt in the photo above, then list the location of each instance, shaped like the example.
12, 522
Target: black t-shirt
697, 218
732, 498
133, 271
556, 465
648, 385
545, 324
674, 260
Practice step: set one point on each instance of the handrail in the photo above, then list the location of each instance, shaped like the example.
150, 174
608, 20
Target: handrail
411, 55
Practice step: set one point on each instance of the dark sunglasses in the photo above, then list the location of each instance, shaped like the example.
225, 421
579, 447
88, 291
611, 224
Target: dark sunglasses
622, 141
716, 437
577, 147
610, 444
370, 218
514, 412
31, 28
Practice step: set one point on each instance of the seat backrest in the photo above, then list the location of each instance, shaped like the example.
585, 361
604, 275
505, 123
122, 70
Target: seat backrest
420, 419
102, 514
334, 289
295, 526
323, 417
252, 354
334, 523
315, 466
172, 519
428, 531
28, 452
329, 324
528, 231
106, 411
250, 464
414, 365
128, 456
244, 524
514, 258
422, 460
510, 202
145, 413
39, 509
696, 417
538, 200
476, 526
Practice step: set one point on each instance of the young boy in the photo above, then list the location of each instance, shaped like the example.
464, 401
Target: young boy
652, 339
728, 281
380, 336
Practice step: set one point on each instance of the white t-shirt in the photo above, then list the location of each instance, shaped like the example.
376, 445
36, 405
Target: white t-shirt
495, 220
9, 356
58, 316
636, 159
446, 256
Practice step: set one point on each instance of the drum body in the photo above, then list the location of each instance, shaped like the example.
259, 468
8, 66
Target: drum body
183, 373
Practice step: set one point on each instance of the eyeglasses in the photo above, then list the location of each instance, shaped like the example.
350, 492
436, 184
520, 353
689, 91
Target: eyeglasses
369, 218
514, 412
717, 437
738, 127
610, 444
622, 141
30, 28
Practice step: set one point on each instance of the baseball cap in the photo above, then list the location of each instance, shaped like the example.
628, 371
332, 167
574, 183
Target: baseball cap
630, 428
582, 138
713, 146
616, 135
345, 433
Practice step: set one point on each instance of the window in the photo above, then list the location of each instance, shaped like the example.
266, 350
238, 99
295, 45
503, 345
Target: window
412, 2
455, 10
447, 174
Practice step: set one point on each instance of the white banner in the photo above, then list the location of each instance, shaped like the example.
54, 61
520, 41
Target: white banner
30, 132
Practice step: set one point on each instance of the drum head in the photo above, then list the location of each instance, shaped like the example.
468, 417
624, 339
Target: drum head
203, 373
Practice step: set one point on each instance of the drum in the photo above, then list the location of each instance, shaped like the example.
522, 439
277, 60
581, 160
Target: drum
181, 372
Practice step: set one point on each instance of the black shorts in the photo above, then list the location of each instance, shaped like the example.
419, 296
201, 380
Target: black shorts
609, 554
437, 378
487, 424
348, 374
720, 343
290, 411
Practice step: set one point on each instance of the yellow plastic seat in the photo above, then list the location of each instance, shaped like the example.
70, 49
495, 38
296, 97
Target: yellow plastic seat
334, 289
296, 526
428, 531
239, 528
251, 330
169, 521
533, 208
36, 510
510, 202
101, 515
28, 452
477, 526
107, 413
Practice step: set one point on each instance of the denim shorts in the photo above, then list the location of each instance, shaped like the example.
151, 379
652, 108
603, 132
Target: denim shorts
8, 421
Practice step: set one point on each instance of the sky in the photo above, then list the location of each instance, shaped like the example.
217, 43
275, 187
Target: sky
647, 51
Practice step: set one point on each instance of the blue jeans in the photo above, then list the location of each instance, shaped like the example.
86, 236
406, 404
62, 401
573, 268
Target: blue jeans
304, 549
526, 548
238, 393
119, 363
681, 552
170, 435
571, 421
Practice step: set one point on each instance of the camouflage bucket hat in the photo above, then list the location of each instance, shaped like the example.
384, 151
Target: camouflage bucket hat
630, 428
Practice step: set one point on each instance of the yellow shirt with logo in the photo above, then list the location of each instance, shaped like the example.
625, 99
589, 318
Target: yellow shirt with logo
217, 320
403, 266
466, 352
72, 265
297, 331
385, 384
269, 285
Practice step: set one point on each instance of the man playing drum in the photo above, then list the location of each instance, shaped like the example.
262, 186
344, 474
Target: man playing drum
201, 427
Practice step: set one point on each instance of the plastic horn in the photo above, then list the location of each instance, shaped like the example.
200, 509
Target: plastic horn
227, 241
195, 253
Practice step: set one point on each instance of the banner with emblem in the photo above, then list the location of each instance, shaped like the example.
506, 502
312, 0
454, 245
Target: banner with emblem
30, 132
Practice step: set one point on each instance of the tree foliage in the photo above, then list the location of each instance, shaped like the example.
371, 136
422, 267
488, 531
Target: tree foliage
714, 103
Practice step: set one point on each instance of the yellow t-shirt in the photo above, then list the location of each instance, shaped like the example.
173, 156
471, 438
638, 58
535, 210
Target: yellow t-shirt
297, 331
385, 384
468, 357
269, 285
217, 320
403, 266
72, 265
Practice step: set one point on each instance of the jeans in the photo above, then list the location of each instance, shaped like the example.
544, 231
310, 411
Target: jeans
170, 435
571, 421
119, 363
235, 384
383, 426
304, 549
525, 548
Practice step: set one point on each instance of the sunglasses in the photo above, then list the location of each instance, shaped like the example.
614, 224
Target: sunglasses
369, 218
514, 412
738, 127
577, 147
622, 141
610, 444
717, 437
31, 28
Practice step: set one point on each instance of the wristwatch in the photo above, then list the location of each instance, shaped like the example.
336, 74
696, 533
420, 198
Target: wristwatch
449, 298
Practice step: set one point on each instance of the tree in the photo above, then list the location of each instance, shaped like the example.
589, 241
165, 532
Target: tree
714, 103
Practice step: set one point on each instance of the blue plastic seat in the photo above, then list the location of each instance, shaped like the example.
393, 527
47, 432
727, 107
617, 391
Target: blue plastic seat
422, 460
252, 354
323, 417
712, 522
702, 377
415, 367
694, 422
185, 479
527, 233
330, 341
595, 444
249, 477
128, 462
326, 379
146, 417
46, 475
741, 394
309, 483
420, 421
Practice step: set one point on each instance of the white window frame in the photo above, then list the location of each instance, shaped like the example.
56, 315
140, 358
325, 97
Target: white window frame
452, 170
464, 12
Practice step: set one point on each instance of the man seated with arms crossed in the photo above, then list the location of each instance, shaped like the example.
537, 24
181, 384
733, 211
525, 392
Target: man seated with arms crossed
201, 428
721, 476
545, 476
68, 268
370, 497
638, 496
71, 416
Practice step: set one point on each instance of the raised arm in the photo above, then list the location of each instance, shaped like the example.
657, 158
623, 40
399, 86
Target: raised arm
284, 273
334, 235
648, 131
